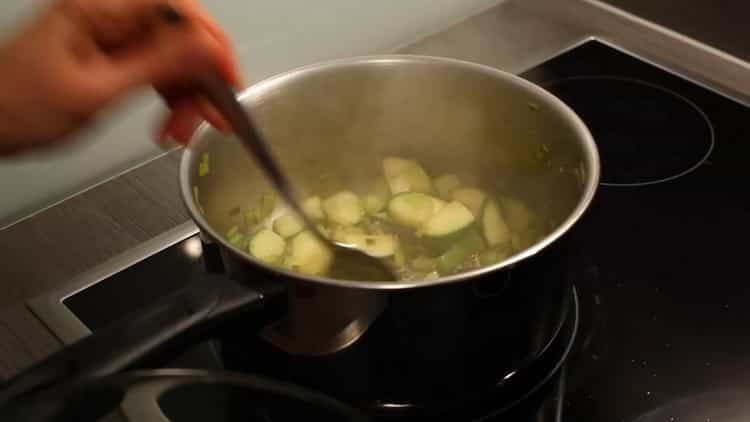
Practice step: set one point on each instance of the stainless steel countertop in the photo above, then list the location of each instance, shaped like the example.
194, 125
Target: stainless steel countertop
48, 250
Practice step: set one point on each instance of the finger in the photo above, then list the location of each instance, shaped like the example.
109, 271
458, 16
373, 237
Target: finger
177, 96
181, 123
211, 114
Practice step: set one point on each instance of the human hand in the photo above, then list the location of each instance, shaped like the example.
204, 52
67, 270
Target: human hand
81, 56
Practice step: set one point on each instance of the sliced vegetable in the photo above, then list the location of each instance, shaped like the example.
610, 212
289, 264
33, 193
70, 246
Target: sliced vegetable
446, 184
267, 246
376, 201
308, 255
413, 209
238, 240
374, 204
404, 175
323, 230
450, 220
288, 225
517, 214
262, 211
313, 208
236, 237
377, 245
450, 261
234, 230
342, 233
344, 208
472, 198
496, 232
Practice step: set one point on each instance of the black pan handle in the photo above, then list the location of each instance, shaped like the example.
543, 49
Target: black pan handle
180, 319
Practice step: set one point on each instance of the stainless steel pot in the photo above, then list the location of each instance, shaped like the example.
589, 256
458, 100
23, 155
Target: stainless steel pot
506, 134
341, 118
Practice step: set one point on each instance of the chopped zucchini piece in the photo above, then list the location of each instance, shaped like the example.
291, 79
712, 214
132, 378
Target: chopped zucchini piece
496, 232
404, 175
288, 225
267, 246
308, 255
237, 239
450, 261
261, 211
232, 231
344, 208
376, 201
373, 203
324, 231
413, 209
450, 220
342, 233
377, 245
472, 198
313, 208
446, 184
517, 214
251, 218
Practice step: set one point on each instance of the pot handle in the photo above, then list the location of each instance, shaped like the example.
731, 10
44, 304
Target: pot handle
171, 323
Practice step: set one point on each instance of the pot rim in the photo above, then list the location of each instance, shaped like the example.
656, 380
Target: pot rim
259, 89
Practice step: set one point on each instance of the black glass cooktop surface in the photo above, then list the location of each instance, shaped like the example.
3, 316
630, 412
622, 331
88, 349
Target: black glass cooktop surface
659, 259
660, 255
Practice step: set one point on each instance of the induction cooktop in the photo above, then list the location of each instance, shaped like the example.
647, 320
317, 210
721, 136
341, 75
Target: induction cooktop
659, 258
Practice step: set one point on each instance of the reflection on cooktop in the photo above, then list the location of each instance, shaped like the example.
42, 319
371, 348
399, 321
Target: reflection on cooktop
645, 133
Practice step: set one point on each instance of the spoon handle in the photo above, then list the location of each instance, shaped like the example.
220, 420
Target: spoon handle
224, 99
